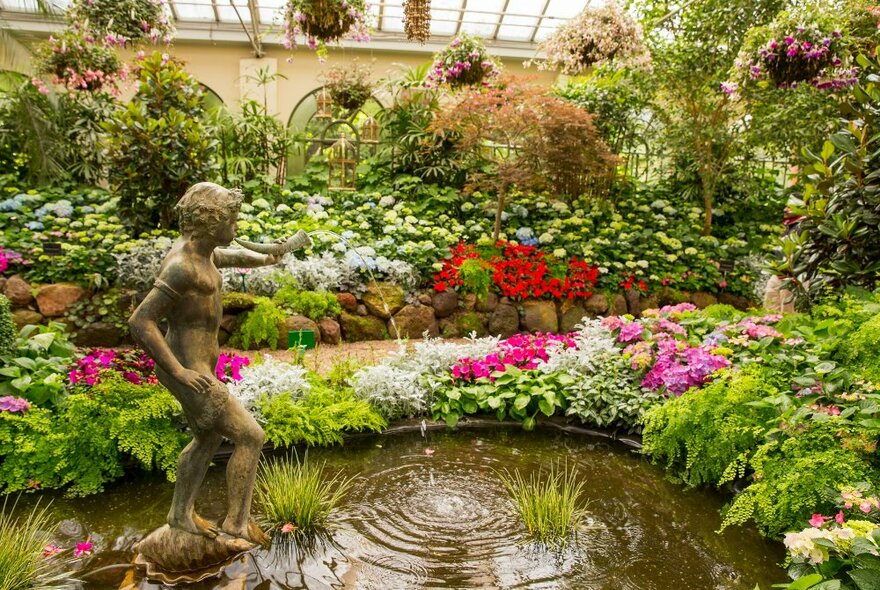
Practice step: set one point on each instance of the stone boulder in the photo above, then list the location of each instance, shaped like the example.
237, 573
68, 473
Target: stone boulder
26, 317
668, 296
331, 333
445, 303
347, 301
649, 303
54, 300
597, 304
18, 291
362, 310
738, 301
488, 304
540, 316
357, 328
463, 323
571, 317
426, 299
380, 295
618, 305
98, 334
633, 301
414, 320
703, 300
235, 302
299, 323
504, 321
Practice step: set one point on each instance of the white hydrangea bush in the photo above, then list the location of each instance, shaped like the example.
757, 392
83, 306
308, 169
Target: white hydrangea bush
269, 378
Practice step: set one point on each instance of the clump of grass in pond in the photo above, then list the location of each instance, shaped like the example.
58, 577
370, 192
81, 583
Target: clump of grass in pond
298, 497
549, 504
22, 541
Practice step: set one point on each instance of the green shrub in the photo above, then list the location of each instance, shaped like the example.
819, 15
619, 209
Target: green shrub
312, 304
260, 326
793, 476
320, 418
476, 277
22, 540
159, 143
550, 507
87, 442
863, 349
7, 328
298, 494
707, 435
37, 367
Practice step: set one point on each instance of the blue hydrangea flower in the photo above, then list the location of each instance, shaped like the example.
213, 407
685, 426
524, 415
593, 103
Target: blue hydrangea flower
524, 233
34, 225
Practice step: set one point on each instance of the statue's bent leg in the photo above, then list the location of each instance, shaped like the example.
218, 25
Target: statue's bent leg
191, 469
238, 425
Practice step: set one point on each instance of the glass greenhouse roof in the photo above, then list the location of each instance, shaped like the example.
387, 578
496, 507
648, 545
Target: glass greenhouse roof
508, 22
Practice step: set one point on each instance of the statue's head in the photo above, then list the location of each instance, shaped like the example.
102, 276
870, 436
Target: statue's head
207, 208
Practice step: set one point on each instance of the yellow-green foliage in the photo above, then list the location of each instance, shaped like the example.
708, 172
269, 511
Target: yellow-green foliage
706, 435
290, 492
792, 478
260, 326
84, 444
22, 539
320, 418
7, 328
550, 506
312, 304
863, 349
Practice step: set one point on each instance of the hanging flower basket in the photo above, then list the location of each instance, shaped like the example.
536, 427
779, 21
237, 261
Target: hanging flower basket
119, 22
349, 85
324, 21
595, 36
77, 62
797, 47
464, 62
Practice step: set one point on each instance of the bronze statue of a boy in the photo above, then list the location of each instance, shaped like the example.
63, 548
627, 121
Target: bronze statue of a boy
188, 293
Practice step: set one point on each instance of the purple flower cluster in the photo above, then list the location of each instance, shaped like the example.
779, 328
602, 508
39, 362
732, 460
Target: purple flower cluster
10, 403
525, 351
463, 62
134, 365
678, 367
229, 366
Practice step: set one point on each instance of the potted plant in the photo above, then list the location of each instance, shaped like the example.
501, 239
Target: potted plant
798, 46
595, 36
464, 62
77, 61
119, 22
324, 21
349, 85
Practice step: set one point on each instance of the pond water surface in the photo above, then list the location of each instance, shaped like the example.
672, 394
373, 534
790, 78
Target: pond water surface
430, 512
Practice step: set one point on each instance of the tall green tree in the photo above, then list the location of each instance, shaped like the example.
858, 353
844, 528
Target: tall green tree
159, 143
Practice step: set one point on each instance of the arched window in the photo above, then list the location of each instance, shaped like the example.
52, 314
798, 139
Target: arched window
211, 99
307, 124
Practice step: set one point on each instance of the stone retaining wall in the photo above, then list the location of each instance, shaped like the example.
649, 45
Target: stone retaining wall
383, 311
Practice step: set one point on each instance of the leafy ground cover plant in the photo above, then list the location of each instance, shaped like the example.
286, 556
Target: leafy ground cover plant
260, 326
36, 368
298, 497
550, 506
7, 328
707, 436
312, 304
792, 474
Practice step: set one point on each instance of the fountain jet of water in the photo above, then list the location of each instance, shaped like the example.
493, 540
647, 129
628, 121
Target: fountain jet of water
369, 271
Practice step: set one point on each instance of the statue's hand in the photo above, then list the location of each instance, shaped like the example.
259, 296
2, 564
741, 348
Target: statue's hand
194, 380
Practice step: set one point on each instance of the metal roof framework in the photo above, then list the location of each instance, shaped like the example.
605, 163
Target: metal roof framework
509, 27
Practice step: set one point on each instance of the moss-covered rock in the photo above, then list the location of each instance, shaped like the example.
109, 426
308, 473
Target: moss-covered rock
378, 295
357, 328
462, 323
235, 302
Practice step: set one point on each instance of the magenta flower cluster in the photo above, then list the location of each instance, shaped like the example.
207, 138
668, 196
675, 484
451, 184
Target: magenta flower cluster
11, 403
135, 366
658, 344
463, 62
229, 366
525, 351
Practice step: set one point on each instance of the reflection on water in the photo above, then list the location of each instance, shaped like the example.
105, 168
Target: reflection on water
441, 520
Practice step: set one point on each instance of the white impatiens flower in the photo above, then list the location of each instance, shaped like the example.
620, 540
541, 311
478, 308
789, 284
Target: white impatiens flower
270, 378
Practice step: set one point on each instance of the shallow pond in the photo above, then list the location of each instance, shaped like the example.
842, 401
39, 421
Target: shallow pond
431, 513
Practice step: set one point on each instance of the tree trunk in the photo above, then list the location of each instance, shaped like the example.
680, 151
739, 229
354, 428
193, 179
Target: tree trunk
708, 190
502, 190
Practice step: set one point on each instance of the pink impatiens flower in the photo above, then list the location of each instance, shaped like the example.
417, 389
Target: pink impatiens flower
288, 528
818, 520
84, 548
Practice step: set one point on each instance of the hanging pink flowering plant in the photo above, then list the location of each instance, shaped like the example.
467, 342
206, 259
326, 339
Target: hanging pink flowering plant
596, 36
464, 62
324, 21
